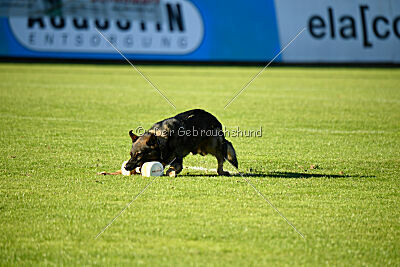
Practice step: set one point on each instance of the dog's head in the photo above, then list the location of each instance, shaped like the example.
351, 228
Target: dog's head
144, 148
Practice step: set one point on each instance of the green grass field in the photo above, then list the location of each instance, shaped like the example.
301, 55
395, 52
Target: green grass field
61, 124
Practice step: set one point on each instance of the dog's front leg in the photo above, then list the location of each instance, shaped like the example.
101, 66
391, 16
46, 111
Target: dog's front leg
175, 168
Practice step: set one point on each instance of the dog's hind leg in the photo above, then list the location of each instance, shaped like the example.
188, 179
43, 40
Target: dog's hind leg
221, 160
215, 147
175, 168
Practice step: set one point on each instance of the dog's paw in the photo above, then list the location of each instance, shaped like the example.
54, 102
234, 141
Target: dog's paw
171, 173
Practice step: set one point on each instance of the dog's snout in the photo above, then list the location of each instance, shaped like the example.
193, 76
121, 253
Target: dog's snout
129, 166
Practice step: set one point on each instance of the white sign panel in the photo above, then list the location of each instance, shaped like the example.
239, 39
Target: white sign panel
340, 31
176, 30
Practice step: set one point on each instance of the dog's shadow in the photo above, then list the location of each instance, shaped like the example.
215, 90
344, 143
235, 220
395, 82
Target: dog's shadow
288, 175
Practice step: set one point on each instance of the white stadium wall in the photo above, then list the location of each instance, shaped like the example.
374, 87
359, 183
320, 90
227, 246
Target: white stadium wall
340, 31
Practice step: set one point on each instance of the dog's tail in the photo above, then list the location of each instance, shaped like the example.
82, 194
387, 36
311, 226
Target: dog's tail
230, 153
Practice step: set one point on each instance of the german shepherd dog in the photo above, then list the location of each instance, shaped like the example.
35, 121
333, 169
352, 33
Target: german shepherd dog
169, 141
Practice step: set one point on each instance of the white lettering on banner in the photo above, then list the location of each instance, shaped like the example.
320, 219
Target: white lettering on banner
179, 30
341, 30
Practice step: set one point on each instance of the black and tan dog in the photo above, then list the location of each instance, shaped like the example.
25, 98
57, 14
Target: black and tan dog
169, 141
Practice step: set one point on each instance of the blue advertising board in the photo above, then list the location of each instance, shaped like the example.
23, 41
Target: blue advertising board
201, 30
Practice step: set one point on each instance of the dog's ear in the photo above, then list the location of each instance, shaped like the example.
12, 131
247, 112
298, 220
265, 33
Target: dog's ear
133, 136
152, 141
